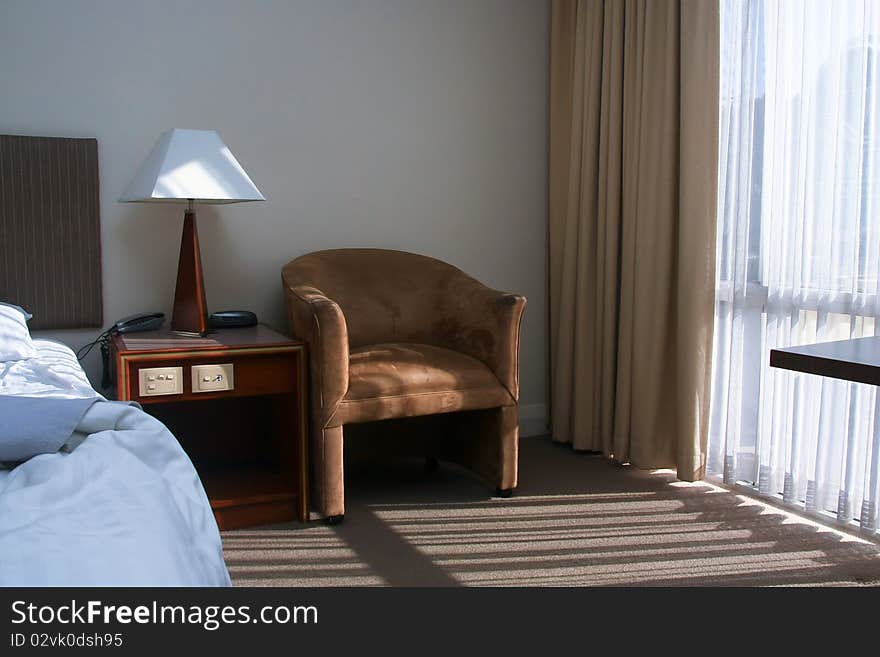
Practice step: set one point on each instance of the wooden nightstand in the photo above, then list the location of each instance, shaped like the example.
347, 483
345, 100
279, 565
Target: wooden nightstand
248, 443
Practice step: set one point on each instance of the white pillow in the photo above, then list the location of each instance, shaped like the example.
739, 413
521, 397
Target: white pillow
15, 339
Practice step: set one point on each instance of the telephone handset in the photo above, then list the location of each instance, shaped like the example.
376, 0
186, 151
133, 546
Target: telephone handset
139, 322
130, 324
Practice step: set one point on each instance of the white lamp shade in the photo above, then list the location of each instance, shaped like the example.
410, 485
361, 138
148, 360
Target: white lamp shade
191, 164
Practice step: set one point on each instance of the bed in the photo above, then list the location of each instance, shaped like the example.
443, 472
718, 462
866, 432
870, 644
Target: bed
117, 504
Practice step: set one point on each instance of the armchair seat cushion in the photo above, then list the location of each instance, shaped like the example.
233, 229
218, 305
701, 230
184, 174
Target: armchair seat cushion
407, 379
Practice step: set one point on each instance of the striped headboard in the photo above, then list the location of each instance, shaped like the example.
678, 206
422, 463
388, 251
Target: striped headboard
50, 230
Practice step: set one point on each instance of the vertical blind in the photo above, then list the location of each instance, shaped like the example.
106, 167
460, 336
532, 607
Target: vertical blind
798, 249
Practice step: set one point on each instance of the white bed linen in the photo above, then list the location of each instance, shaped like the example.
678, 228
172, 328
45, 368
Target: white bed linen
53, 372
121, 505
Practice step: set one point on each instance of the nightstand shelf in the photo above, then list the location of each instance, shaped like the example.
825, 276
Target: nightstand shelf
248, 495
247, 443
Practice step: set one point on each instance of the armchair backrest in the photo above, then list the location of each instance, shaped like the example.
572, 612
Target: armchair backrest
385, 295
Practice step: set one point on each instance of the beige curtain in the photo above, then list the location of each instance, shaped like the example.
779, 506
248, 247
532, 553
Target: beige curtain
633, 178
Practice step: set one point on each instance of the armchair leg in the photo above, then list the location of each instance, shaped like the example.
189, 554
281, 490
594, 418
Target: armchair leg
503, 492
328, 474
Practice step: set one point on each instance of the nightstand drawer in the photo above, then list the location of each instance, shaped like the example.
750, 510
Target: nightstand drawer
253, 375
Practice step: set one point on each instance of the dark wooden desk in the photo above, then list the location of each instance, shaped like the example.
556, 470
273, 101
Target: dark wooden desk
851, 360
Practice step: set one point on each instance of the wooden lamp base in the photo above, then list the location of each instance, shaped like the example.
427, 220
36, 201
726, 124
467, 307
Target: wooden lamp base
190, 315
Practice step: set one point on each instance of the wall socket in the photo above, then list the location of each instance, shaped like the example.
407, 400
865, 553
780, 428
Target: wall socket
211, 378
160, 381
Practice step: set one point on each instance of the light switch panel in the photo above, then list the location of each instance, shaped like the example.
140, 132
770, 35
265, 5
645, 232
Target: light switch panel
211, 378
160, 381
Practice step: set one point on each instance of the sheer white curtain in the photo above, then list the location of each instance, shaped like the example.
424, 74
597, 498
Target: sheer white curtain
798, 249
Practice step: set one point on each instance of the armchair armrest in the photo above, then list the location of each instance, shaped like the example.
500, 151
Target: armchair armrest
485, 323
318, 321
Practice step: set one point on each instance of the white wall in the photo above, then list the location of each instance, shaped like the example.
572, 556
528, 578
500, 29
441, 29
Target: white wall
401, 124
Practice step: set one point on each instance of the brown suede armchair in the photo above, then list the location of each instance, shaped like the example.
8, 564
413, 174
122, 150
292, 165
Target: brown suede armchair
395, 335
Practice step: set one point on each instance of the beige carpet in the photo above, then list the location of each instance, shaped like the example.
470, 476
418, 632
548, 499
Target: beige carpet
576, 520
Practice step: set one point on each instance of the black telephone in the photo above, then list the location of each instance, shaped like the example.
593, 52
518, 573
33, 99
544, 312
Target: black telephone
130, 324
139, 322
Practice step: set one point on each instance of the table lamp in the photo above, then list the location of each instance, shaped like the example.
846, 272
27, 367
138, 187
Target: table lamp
190, 166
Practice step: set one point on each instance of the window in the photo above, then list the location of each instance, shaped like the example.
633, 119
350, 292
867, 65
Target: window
798, 249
